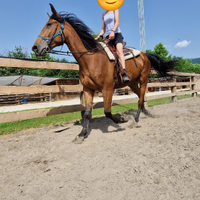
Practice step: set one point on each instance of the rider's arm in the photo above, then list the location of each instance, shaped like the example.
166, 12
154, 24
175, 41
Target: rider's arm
116, 12
103, 28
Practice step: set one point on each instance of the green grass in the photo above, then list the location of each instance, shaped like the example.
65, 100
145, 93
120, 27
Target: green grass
14, 127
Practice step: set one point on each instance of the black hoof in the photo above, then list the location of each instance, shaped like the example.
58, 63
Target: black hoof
136, 119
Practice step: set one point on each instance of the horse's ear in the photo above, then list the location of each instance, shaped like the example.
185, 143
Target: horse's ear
53, 10
49, 15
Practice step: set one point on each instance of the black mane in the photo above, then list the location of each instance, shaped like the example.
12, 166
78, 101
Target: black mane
82, 30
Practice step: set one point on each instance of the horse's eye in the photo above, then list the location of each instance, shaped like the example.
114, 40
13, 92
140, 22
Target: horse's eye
49, 24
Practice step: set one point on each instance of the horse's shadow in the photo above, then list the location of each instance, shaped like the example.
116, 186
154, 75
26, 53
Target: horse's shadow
103, 123
106, 125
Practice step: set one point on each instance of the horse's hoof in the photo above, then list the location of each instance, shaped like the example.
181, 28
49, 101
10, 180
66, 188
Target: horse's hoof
123, 119
78, 140
137, 125
136, 119
146, 112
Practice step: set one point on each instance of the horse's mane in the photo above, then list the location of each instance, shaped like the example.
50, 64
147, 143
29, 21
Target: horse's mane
82, 30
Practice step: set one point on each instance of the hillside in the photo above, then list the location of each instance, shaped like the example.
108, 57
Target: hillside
195, 61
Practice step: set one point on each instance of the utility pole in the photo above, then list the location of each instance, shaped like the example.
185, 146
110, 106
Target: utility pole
141, 25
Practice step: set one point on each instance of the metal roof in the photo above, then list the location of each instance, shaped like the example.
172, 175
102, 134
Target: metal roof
25, 80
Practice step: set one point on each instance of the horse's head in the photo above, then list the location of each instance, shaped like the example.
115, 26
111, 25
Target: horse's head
51, 35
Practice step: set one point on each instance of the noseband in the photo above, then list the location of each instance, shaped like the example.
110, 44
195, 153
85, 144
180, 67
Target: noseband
48, 40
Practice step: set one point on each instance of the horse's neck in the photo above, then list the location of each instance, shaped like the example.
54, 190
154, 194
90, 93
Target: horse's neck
74, 42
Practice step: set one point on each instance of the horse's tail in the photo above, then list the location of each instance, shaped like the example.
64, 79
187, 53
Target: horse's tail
161, 66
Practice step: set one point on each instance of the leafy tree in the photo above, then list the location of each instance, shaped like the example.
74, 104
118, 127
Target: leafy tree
182, 65
45, 72
185, 65
55, 72
18, 52
161, 51
68, 73
150, 51
46, 57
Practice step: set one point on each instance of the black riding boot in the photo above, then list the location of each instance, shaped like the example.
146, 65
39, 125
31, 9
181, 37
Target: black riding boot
125, 79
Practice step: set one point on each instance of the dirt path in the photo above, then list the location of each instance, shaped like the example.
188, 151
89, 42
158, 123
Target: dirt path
159, 160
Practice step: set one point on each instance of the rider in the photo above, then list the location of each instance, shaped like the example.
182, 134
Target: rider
110, 23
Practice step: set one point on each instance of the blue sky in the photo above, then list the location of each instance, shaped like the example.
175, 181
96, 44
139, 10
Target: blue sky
175, 23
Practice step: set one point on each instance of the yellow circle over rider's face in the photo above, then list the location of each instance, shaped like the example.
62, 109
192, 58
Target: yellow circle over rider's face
110, 4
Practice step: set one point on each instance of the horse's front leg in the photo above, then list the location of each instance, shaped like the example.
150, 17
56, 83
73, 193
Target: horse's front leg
107, 96
86, 116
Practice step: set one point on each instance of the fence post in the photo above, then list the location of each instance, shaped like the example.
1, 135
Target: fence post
173, 90
193, 85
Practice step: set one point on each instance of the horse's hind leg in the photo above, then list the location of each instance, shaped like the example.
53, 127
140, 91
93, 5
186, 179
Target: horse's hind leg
140, 88
86, 115
107, 96
141, 106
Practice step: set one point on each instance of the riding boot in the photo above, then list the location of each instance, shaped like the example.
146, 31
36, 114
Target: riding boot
125, 78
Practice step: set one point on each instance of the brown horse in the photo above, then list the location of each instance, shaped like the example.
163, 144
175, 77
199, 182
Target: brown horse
95, 69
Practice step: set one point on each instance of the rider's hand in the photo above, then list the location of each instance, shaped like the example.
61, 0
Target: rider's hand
112, 35
99, 36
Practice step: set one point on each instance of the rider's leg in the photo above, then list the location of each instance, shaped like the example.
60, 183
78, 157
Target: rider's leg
119, 48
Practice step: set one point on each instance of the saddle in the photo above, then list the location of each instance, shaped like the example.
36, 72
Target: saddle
112, 55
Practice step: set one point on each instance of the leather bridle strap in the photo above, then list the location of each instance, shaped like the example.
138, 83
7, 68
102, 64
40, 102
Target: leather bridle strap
48, 40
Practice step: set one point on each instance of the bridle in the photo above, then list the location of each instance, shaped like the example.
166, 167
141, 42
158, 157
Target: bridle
61, 34
48, 40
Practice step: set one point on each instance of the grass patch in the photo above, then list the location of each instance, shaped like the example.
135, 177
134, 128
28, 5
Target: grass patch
14, 127
159, 101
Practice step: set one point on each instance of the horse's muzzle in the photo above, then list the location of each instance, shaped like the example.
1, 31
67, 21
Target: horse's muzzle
40, 51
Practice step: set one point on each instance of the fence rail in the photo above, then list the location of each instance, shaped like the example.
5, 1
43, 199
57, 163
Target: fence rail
15, 90
10, 90
29, 63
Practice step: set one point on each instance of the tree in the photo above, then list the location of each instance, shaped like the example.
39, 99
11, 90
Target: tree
18, 52
46, 57
185, 65
161, 51
55, 72
68, 73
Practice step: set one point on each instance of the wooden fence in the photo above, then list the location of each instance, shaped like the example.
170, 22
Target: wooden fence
15, 90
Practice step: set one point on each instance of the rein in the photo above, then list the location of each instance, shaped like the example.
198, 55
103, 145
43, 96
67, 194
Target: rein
60, 33
69, 53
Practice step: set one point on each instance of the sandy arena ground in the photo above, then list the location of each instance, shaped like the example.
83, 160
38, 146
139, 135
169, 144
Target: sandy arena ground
158, 161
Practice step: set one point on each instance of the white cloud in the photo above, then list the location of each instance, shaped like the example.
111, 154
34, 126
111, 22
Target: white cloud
182, 44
